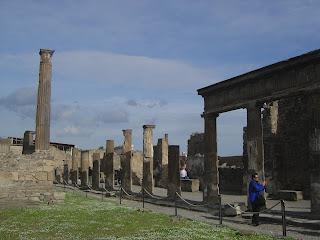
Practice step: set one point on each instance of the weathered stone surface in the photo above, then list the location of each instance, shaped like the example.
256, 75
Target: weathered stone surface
84, 168
96, 171
20, 179
109, 165
126, 160
211, 177
173, 171
43, 101
147, 181
160, 162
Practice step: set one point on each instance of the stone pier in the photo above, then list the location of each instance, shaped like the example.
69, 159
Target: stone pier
173, 171
254, 142
126, 160
109, 165
314, 145
160, 162
76, 158
43, 101
211, 174
96, 171
28, 145
147, 180
84, 168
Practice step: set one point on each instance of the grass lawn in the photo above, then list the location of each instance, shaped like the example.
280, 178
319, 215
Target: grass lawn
82, 218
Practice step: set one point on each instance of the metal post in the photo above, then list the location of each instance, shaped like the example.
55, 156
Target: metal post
284, 227
120, 195
102, 195
86, 194
143, 198
220, 209
175, 205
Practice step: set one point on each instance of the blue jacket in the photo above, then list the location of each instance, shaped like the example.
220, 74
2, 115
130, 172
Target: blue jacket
254, 190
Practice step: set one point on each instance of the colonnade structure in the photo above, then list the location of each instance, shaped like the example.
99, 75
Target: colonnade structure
293, 77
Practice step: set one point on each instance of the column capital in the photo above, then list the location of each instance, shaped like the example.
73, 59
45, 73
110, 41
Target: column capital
148, 126
209, 115
46, 51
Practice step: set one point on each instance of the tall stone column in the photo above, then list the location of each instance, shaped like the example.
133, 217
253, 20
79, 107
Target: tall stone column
126, 160
84, 168
147, 180
109, 165
173, 185
314, 162
255, 150
43, 101
211, 172
76, 158
96, 171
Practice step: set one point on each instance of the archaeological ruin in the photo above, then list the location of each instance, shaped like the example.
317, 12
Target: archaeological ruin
281, 142
290, 92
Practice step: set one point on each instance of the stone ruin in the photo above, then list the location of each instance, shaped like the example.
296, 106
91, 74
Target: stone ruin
274, 145
29, 177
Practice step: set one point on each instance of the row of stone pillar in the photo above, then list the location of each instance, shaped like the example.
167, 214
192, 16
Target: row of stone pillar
173, 177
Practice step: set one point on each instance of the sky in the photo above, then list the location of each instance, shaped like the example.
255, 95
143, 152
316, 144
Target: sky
125, 63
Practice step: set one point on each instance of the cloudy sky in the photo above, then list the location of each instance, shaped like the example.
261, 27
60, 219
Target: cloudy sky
121, 64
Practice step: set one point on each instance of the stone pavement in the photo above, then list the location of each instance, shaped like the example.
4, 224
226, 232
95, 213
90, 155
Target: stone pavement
300, 224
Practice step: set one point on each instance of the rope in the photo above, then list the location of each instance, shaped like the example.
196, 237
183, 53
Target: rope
265, 210
127, 193
153, 196
193, 205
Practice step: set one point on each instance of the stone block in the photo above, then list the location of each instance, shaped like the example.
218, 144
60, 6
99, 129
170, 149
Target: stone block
59, 195
41, 176
50, 176
190, 185
290, 195
34, 199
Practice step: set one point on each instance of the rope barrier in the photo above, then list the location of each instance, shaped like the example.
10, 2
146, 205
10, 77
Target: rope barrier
153, 196
129, 195
191, 204
245, 212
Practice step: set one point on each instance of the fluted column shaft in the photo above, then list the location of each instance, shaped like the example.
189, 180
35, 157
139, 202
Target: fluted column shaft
43, 101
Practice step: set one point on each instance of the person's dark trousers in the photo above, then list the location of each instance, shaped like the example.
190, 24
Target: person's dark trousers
255, 217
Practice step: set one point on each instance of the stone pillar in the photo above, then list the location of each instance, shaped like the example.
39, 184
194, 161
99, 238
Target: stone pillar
126, 160
84, 168
43, 101
161, 162
211, 173
173, 171
255, 150
314, 162
147, 180
28, 145
109, 165
76, 156
96, 171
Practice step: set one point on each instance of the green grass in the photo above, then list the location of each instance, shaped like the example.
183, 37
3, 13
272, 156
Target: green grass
82, 218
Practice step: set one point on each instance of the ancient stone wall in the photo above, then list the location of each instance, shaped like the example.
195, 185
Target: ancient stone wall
286, 141
26, 177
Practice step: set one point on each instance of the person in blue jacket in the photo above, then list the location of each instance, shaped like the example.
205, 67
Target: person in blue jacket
255, 192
